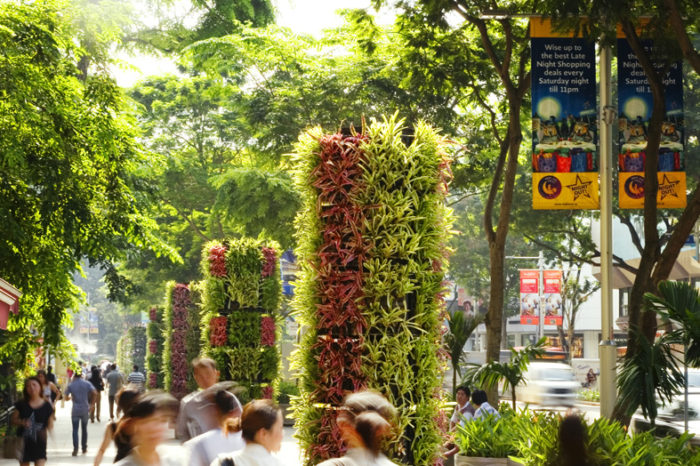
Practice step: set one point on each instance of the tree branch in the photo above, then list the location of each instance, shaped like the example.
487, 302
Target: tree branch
681, 33
627, 221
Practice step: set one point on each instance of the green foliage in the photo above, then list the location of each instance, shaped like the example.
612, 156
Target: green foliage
244, 329
509, 373
68, 164
131, 349
648, 376
679, 302
589, 395
460, 328
287, 390
531, 438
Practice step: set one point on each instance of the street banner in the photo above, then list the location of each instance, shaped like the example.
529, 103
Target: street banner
635, 103
552, 297
529, 296
564, 120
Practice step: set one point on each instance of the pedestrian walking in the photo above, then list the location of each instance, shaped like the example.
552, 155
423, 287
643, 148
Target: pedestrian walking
115, 379
206, 447
96, 381
198, 414
125, 398
33, 417
483, 408
49, 391
137, 378
50, 376
83, 394
365, 420
261, 428
146, 423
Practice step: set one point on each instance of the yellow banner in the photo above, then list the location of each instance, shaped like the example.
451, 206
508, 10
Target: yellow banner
671, 194
573, 190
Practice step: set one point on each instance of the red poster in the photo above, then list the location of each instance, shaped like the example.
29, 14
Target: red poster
552, 297
529, 296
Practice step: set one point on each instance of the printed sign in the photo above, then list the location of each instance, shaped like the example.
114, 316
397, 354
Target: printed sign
635, 103
552, 297
564, 120
529, 296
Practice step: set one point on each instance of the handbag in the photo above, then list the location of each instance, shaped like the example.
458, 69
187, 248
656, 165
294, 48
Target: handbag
13, 447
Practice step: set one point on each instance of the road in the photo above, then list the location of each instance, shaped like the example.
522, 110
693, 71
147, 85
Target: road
60, 444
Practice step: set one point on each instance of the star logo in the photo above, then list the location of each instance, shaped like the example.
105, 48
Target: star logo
668, 187
580, 188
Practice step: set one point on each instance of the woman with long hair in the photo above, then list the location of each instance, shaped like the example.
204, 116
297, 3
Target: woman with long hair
146, 424
365, 420
49, 390
261, 428
33, 417
96, 380
125, 399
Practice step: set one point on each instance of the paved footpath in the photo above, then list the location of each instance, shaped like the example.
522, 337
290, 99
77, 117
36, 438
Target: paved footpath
60, 444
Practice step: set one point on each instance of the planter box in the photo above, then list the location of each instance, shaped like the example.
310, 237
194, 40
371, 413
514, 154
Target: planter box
461, 460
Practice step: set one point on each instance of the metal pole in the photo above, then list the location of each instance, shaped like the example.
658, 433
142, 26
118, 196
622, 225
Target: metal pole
540, 295
607, 349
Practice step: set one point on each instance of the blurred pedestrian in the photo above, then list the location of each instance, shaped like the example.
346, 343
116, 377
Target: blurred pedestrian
83, 395
115, 379
572, 441
198, 413
50, 376
206, 447
33, 417
137, 378
125, 398
483, 408
591, 378
49, 390
146, 424
261, 428
96, 381
365, 421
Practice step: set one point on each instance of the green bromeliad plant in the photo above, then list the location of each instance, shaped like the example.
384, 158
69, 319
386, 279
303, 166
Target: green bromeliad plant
240, 298
371, 248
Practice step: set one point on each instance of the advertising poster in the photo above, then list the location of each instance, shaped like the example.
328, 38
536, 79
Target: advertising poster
552, 297
529, 296
635, 104
564, 120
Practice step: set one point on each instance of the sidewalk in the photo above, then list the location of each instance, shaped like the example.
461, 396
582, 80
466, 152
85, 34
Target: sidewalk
60, 444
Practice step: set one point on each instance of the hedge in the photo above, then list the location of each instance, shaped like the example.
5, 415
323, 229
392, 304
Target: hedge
154, 351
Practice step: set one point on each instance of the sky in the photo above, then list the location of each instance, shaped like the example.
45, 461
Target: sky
301, 16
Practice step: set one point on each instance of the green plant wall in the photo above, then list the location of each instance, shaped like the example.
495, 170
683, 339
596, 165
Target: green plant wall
371, 248
181, 339
240, 298
154, 351
131, 349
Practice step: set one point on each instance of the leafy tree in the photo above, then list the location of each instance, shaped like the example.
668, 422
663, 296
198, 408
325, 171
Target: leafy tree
575, 292
460, 328
68, 161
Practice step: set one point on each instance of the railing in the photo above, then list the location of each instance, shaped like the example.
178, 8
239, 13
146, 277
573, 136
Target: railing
5, 417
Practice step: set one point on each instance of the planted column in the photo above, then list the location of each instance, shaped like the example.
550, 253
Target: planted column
371, 251
240, 304
180, 329
154, 351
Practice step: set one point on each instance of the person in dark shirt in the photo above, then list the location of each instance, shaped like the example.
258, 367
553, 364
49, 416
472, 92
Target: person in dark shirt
97, 382
33, 417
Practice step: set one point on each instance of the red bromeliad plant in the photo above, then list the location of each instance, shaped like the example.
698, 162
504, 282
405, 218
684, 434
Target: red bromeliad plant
267, 331
175, 356
217, 261
217, 331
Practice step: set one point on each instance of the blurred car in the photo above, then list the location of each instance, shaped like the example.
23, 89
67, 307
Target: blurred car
670, 419
548, 384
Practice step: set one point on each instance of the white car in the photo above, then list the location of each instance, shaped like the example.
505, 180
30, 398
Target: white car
548, 384
670, 420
